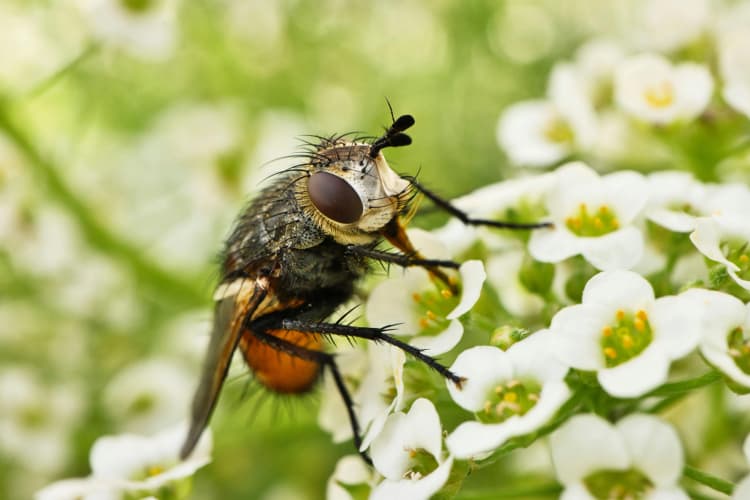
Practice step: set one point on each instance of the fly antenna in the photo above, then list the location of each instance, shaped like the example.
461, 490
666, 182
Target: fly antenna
394, 136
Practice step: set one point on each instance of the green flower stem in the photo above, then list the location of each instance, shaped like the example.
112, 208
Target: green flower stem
535, 491
673, 388
151, 276
709, 480
63, 71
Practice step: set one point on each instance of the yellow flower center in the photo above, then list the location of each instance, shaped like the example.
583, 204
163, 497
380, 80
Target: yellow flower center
138, 6
626, 337
739, 349
601, 222
509, 399
558, 131
610, 484
660, 95
421, 463
738, 254
433, 306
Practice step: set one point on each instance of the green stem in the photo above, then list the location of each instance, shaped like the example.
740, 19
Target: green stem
153, 277
674, 388
64, 71
709, 480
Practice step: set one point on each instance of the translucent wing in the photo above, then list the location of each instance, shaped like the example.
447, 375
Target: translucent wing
236, 303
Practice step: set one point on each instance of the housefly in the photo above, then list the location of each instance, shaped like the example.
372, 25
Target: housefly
295, 255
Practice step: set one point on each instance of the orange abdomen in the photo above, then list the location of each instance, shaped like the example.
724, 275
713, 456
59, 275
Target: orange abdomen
277, 370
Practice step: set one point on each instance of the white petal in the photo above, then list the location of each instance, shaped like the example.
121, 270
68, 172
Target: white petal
473, 440
621, 249
553, 245
390, 302
425, 430
406, 489
654, 448
576, 491
677, 325
707, 238
521, 133
746, 448
670, 493
350, 470
535, 357
619, 290
74, 489
674, 221
694, 87
387, 449
483, 367
472, 279
434, 345
576, 331
637, 376
742, 489
578, 448
628, 192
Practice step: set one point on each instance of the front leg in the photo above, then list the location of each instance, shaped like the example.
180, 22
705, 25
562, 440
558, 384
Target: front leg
469, 221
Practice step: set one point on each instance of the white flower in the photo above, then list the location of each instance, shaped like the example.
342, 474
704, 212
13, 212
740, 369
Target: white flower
742, 489
624, 334
649, 88
144, 28
149, 395
668, 25
408, 453
733, 40
132, 463
639, 457
724, 341
676, 199
420, 307
511, 392
724, 239
350, 472
36, 420
502, 274
542, 132
596, 61
593, 217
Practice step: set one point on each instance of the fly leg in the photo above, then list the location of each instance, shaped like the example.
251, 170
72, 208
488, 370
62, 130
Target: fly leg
401, 259
374, 334
444, 204
324, 359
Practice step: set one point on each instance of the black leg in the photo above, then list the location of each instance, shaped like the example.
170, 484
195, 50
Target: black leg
463, 217
401, 259
324, 359
374, 334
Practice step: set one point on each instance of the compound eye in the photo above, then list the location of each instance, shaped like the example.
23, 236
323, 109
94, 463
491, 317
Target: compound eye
334, 197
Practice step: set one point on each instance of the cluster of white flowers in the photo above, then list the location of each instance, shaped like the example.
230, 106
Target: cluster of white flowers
643, 273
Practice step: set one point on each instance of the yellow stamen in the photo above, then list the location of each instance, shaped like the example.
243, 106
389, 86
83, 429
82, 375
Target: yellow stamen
620, 315
660, 96
639, 324
431, 315
744, 258
416, 297
610, 352
423, 323
510, 397
597, 223
447, 294
607, 331
627, 341
641, 315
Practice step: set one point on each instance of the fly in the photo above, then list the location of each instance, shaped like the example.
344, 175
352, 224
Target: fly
295, 255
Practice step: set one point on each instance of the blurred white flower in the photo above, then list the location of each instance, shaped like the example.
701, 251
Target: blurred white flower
724, 343
648, 87
30, 52
668, 25
149, 395
733, 45
351, 473
596, 61
36, 420
725, 239
639, 457
145, 29
675, 201
624, 334
539, 133
742, 489
511, 392
593, 217
129, 463
408, 453
421, 308
502, 273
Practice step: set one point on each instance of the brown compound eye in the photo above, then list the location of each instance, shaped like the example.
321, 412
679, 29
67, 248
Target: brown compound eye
334, 197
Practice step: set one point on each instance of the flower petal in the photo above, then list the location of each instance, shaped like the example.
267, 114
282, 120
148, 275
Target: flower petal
472, 279
621, 249
677, 324
636, 377
577, 448
619, 290
553, 245
654, 448
434, 345
483, 367
410, 489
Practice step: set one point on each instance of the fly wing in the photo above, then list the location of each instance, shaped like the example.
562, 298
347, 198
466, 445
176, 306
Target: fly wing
235, 301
